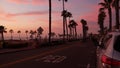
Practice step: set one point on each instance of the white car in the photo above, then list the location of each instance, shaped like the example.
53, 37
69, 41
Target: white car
108, 53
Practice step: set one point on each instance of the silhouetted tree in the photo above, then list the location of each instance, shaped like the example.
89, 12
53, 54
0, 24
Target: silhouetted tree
65, 15
35, 33
69, 15
11, 31
116, 6
19, 32
85, 28
101, 18
73, 24
70, 29
26, 34
64, 20
39, 30
31, 34
53, 34
107, 5
2, 30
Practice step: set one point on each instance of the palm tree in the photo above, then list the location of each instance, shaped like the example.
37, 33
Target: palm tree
35, 32
70, 29
26, 34
64, 23
69, 14
75, 28
52, 35
31, 34
107, 5
65, 15
2, 30
40, 31
63, 18
11, 31
19, 32
101, 18
116, 5
84, 23
73, 24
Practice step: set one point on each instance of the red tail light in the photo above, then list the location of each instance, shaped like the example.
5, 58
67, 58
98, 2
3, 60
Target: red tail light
110, 61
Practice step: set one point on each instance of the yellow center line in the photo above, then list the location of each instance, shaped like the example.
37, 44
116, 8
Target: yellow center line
32, 57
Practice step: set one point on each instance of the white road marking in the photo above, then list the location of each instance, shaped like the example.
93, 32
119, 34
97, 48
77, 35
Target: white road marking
52, 58
60, 59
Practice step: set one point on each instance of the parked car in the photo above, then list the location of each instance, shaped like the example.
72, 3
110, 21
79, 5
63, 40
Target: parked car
108, 51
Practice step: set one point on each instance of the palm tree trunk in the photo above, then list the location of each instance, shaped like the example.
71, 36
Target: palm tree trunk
66, 28
117, 13
70, 33
26, 36
110, 19
2, 37
84, 33
75, 32
102, 28
11, 37
63, 28
19, 36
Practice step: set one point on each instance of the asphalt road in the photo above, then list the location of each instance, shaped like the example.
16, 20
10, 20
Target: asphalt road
70, 55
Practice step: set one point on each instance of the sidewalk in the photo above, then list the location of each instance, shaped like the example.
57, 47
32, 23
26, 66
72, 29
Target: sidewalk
8, 50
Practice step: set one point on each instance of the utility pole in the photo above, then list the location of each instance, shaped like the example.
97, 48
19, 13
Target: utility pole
50, 21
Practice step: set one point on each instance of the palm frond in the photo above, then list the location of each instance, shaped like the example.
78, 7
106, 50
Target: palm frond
66, 0
101, 9
113, 4
103, 4
106, 1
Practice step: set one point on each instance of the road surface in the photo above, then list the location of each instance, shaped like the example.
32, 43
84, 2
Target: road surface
70, 55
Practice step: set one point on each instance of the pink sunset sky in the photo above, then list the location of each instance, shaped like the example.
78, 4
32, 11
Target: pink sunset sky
30, 14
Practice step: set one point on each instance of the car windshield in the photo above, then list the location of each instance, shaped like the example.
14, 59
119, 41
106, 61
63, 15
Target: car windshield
117, 43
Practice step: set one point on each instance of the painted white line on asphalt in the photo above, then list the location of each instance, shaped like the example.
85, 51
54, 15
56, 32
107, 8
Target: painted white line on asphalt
52, 58
88, 65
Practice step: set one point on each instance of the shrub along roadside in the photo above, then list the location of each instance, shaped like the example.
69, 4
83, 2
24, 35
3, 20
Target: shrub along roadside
15, 44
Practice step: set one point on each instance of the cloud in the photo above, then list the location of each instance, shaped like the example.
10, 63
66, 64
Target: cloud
30, 13
33, 2
19, 1
3, 15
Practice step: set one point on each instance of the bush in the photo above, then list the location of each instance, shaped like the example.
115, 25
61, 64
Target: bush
15, 44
